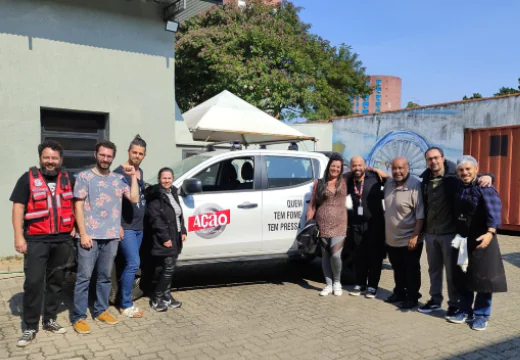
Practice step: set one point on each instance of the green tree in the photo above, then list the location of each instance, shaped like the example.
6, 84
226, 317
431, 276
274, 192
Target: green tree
474, 96
508, 90
411, 104
267, 56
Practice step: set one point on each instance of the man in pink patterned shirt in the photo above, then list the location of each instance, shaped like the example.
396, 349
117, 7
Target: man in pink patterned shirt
98, 197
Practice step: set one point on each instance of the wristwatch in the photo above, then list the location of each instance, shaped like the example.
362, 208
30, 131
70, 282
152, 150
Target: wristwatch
492, 232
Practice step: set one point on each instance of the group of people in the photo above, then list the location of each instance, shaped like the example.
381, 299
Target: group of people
60, 219
451, 210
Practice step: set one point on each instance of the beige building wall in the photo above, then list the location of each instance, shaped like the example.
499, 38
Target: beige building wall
88, 55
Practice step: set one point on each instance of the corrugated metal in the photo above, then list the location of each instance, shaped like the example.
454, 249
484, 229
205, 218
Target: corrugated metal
489, 147
193, 8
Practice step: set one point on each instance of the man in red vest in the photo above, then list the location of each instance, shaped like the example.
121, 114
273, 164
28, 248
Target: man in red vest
43, 222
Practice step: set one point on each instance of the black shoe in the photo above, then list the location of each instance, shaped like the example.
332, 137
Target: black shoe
371, 293
394, 298
158, 305
27, 337
171, 302
429, 307
452, 311
409, 304
53, 326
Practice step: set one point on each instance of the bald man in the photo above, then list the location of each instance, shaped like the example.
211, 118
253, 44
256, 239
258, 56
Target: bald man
366, 224
404, 218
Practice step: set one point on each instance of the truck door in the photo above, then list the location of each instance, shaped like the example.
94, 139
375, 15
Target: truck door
226, 218
289, 184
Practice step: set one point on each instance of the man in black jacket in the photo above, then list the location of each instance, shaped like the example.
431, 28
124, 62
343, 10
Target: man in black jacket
439, 186
366, 226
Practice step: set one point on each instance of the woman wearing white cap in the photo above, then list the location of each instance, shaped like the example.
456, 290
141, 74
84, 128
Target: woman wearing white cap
477, 211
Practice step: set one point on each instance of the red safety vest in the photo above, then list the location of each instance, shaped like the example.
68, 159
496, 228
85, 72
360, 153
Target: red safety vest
48, 214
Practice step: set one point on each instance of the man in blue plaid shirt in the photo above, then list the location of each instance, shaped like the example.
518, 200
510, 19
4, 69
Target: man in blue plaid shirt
477, 211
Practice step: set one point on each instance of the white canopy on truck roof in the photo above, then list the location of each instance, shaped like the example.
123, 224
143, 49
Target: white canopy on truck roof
227, 118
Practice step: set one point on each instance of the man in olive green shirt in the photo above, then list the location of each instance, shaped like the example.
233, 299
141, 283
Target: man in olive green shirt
439, 186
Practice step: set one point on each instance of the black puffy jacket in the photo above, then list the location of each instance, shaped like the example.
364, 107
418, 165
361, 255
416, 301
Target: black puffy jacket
162, 223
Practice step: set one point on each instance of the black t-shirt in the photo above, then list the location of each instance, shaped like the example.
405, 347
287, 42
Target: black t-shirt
21, 195
371, 199
132, 214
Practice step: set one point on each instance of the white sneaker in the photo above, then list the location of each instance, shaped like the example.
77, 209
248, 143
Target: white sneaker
326, 290
338, 290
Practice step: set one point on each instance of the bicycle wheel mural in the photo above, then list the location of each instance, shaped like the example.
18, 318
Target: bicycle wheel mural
399, 143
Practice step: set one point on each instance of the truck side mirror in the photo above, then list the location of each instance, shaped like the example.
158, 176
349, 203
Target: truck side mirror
191, 186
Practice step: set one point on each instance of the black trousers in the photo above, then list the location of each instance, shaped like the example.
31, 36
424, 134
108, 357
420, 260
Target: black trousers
368, 256
407, 270
162, 289
44, 265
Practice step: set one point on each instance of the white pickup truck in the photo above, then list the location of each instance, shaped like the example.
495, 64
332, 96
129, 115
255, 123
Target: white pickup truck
245, 203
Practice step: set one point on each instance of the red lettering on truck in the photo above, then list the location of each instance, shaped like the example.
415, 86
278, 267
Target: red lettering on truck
209, 220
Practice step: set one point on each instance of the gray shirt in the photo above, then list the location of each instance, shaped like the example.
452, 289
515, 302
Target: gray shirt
176, 208
403, 207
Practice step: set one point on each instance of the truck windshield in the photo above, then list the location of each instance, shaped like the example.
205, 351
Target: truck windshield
183, 166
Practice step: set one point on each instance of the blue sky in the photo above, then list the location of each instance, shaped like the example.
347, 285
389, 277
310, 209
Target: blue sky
442, 50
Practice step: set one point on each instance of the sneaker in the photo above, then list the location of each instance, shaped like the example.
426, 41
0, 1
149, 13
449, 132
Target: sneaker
479, 323
452, 311
172, 303
132, 312
337, 289
371, 293
356, 291
158, 305
429, 307
81, 327
54, 327
27, 337
326, 290
458, 318
107, 318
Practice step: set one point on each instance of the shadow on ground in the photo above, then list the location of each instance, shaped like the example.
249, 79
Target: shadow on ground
512, 258
507, 349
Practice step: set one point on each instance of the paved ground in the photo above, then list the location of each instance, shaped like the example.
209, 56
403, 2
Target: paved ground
272, 311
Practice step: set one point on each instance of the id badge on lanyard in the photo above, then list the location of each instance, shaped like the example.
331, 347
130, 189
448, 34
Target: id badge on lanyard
360, 208
360, 194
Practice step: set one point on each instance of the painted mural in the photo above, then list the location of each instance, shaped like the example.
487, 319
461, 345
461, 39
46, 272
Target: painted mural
379, 138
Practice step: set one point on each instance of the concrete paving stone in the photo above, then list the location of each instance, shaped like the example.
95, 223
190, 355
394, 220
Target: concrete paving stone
268, 314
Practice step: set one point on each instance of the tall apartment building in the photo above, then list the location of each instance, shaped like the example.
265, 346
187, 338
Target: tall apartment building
386, 96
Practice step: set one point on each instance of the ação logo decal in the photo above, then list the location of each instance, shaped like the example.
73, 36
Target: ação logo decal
209, 221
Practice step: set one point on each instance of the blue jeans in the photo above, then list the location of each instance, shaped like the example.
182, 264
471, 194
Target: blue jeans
101, 254
130, 250
482, 307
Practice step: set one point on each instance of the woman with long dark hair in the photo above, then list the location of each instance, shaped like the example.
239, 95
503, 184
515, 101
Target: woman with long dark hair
168, 234
328, 208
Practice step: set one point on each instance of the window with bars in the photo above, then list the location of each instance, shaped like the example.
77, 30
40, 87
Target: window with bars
78, 132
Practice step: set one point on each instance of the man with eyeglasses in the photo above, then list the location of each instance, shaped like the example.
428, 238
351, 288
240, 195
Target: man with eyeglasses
439, 186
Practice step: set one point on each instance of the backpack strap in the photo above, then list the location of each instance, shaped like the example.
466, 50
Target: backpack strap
64, 180
34, 172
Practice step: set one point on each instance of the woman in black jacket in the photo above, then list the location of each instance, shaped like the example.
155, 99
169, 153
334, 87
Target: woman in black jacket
167, 233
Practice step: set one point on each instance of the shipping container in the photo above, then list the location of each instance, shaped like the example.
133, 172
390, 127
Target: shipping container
497, 150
